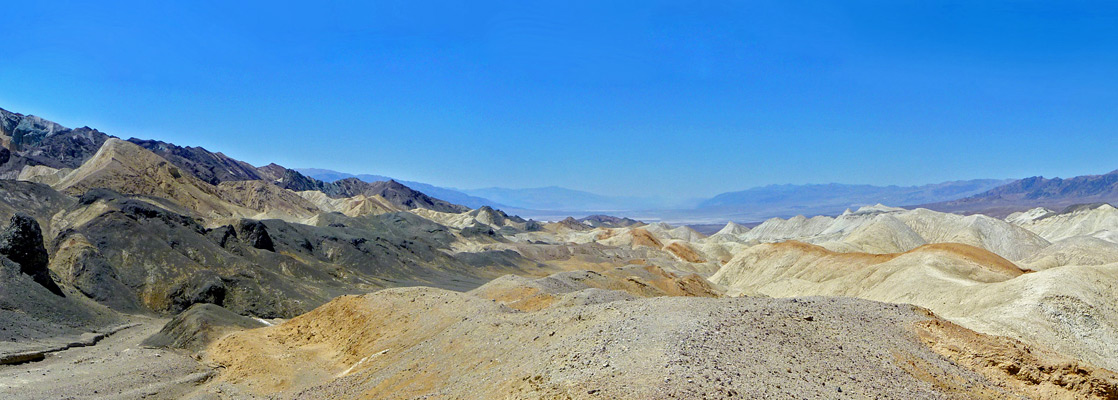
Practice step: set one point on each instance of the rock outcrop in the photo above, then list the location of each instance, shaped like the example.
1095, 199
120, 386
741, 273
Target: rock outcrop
22, 242
255, 234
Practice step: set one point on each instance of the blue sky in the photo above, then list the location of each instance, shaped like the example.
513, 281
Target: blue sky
677, 99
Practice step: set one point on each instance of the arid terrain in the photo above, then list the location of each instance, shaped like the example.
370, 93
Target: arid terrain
141, 269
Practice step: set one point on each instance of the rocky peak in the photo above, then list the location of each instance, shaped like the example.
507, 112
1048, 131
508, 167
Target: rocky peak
271, 172
574, 224
26, 130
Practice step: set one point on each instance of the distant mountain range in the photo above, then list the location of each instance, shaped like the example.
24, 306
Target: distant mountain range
825, 199
754, 204
1036, 191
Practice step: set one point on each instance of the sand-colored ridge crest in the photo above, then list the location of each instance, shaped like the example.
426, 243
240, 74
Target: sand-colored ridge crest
977, 255
641, 237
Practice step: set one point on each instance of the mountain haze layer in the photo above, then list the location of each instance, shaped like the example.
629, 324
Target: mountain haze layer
749, 205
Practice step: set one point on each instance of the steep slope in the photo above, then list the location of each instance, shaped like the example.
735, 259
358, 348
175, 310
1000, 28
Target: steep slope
797, 227
666, 231
484, 217
1024, 217
212, 168
36, 319
291, 179
40, 150
127, 168
858, 274
883, 234
22, 131
400, 195
34, 199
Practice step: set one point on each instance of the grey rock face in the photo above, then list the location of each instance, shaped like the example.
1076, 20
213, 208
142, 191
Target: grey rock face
22, 242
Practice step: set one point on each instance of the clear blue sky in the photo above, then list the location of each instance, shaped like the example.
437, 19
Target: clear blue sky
679, 99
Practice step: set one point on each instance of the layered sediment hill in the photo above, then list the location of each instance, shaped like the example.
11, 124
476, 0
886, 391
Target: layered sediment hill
964, 284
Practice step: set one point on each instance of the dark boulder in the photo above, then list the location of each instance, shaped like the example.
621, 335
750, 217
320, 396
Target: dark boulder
255, 234
201, 287
22, 242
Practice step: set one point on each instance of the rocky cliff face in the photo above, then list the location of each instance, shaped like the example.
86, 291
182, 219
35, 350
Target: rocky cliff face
27, 140
22, 242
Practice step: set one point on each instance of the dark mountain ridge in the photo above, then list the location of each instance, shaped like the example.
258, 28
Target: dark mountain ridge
213, 168
451, 195
1034, 192
27, 140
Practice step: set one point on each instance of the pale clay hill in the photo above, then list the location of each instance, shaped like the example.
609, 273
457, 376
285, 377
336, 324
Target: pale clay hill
1070, 311
1054, 226
199, 276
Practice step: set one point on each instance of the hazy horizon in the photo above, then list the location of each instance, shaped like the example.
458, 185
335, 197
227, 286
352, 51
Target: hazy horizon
670, 100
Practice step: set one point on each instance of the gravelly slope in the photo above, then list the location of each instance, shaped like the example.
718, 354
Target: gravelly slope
422, 342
